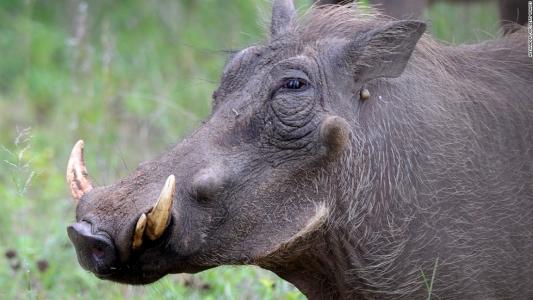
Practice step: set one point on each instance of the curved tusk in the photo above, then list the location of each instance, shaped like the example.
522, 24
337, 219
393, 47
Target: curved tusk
139, 232
77, 176
159, 216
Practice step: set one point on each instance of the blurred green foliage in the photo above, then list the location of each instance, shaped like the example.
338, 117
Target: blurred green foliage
130, 77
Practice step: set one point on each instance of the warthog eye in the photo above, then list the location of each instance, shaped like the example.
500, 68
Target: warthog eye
295, 84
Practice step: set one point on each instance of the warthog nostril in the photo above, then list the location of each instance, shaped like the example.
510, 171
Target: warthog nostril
207, 183
98, 253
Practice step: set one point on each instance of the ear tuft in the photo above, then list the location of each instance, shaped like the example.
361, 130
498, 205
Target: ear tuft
334, 135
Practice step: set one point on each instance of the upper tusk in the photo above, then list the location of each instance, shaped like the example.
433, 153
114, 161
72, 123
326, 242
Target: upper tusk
77, 176
139, 232
159, 217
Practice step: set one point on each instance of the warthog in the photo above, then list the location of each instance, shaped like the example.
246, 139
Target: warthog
350, 154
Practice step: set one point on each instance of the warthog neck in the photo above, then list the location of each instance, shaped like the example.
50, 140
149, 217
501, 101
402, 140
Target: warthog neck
320, 269
336, 266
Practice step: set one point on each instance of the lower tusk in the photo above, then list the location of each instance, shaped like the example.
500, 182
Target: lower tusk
139, 232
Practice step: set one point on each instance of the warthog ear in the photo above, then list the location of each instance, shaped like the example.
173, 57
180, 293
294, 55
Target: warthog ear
283, 14
334, 135
383, 52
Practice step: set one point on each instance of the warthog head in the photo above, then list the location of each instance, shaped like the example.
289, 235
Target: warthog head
257, 182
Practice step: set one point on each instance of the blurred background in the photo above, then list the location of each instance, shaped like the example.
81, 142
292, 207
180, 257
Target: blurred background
130, 78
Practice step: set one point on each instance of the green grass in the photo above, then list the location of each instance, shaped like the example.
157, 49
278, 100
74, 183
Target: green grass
464, 22
429, 281
130, 77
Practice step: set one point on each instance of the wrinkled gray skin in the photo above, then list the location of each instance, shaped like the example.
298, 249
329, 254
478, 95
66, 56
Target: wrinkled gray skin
510, 10
348, 199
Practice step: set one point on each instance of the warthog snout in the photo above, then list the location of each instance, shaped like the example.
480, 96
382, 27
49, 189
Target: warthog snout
96, 252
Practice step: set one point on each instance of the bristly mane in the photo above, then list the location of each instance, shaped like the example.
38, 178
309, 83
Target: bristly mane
336, 21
